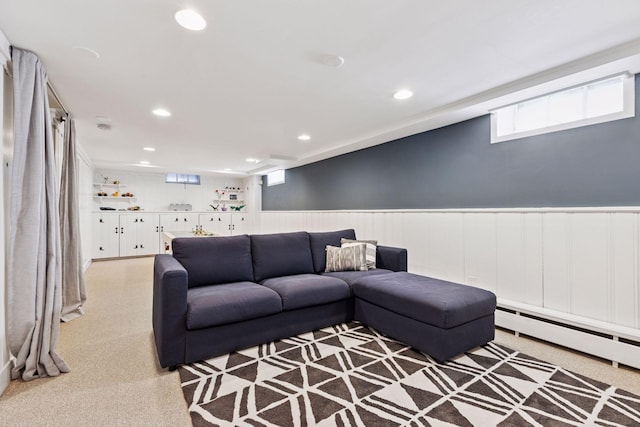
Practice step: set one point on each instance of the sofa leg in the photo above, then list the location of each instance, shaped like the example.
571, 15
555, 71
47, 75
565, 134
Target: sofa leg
173, 368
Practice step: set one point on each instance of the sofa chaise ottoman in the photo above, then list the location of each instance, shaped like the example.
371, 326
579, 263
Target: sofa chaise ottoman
439, 318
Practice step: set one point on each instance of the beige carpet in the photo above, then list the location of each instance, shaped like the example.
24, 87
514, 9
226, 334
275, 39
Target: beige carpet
115, 378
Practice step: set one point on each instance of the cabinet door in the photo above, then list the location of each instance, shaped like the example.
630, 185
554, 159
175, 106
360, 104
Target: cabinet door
180, 221
129, 242
211, 222
148, 234
239, 224
106, 236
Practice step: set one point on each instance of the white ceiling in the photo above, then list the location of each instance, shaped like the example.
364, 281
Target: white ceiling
252, 81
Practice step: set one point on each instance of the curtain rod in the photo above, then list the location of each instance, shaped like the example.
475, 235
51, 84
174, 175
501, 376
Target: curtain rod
55, 95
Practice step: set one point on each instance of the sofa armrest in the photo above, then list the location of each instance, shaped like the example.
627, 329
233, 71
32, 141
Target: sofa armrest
169, 309
390, 258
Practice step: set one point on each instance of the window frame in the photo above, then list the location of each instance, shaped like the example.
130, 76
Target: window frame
189, 179
628, 110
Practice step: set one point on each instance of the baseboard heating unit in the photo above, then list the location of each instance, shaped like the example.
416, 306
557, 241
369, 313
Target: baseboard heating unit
619, 344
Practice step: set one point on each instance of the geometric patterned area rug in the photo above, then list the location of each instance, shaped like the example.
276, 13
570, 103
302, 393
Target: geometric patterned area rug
349, 375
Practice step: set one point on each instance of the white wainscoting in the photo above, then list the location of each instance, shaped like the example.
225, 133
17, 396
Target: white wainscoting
577, 262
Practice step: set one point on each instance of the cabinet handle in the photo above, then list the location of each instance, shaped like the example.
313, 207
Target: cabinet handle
121, 230
116, 230
141, 246
176, 220
219, 219
141, 219
136, 220
242, 219
185, 220
210, 219
162, 228
233, 226
157, 228
101, 248
136, 247
101, 221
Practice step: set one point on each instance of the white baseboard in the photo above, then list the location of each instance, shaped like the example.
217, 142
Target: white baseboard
5, 376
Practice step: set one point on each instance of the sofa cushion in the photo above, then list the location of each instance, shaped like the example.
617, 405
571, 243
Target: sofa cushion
349, 257
214, 260
371, 250
319, 242
436, 302
229, 303
352, 276
281, 254
306, 290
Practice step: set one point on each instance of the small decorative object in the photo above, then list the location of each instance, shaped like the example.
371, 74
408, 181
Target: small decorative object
233, 197
215, 208
106, 178
115, 194
224, 208
237, 208
116, 182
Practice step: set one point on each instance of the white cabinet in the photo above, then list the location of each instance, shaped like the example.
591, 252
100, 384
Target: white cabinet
106, 236
225, 223
179, 221
139, 234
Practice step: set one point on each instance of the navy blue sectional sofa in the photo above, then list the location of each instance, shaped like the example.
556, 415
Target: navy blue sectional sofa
214, 295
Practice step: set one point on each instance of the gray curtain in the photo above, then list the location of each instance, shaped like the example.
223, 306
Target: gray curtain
73, 287
34, 297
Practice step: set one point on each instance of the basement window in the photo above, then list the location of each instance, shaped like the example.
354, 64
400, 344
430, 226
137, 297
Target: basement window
600, 101
275, 177
182, 178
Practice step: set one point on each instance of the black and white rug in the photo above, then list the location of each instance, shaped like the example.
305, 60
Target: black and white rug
348, 375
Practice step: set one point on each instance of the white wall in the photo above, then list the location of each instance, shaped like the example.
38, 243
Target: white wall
153, 194
85, 203
584, 262
5, 361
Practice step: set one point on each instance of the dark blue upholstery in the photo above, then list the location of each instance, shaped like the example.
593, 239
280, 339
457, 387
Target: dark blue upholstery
282, 254
306, 290
425, 299
319, 242
214, 260
229, 303
352, 276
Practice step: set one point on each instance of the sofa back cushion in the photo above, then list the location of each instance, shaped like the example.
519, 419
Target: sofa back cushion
320, 241
282, 254
214, 260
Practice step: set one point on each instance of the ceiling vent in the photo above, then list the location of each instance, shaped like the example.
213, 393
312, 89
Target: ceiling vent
104, 126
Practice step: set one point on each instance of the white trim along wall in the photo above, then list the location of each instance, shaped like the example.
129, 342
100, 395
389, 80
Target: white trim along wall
5, 358
565, 275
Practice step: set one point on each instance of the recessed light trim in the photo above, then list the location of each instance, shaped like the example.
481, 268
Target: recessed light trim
403, 94
149, 149
144, 162
161, 112
251, 160
304, 137
190, 19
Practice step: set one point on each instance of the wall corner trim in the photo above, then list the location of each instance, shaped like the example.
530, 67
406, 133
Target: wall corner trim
5, 375
5, 49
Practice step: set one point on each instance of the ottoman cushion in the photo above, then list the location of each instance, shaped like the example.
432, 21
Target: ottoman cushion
432, 301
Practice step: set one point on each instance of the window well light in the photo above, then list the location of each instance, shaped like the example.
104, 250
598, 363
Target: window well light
190, 19
304, 137
403, 94
161, 112
149, 149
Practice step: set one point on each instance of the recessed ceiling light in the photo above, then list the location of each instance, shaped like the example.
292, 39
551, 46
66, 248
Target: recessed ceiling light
161, 112
331, 60
144, 162
403, 94
149, 149
251, 160
190, 19
304, 137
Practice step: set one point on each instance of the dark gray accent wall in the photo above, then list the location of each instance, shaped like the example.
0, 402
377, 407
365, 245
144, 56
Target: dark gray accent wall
457, 167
